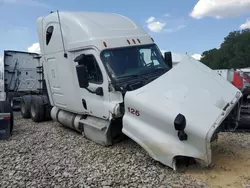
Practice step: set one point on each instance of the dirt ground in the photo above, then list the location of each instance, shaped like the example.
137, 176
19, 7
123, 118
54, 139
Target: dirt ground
230, 167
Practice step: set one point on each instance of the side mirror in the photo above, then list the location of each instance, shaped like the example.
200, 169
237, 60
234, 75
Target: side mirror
168, 59
82, 75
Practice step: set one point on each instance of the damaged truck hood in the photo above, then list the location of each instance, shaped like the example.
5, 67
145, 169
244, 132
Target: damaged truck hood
190, 89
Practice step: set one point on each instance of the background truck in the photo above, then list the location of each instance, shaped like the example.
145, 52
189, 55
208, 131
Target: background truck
241, 81
104, 76
246, 84
21, 75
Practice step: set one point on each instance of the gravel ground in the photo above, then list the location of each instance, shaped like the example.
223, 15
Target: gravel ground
49, 155
230, 162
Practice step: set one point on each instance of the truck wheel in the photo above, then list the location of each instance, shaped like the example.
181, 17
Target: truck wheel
47, 108
37, 110
5, 107
25, 106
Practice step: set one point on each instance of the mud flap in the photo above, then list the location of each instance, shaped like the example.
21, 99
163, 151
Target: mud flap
5, 126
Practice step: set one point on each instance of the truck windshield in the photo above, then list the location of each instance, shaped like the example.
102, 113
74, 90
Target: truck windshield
133, 61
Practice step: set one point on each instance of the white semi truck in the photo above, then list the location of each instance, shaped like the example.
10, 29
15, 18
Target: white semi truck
105, 77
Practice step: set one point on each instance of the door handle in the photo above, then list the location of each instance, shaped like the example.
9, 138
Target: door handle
53, 73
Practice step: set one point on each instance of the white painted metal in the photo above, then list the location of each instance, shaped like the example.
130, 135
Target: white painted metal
67, 119
228, 74
97, 130
177, 58
93, 128
82, 29
191, 89
83, 32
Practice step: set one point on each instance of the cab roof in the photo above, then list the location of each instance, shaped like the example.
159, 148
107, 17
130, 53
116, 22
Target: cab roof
80, 27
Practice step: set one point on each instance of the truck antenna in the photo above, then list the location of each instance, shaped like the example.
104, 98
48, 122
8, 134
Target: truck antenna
65, 54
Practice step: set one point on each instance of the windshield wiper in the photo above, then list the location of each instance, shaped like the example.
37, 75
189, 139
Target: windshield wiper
160, 69
128, 76
156, 69
151, 71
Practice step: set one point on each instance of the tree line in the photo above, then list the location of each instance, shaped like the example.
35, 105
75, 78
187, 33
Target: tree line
234, 52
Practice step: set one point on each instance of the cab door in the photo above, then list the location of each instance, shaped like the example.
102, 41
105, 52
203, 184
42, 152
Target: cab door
93, 104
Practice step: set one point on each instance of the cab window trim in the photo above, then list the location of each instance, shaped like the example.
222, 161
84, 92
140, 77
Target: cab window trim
113, 80
49, 34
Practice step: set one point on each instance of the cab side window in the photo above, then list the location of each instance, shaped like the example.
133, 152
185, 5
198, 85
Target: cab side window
95, 75
49, 33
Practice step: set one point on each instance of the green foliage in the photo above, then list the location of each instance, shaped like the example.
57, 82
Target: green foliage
234, 52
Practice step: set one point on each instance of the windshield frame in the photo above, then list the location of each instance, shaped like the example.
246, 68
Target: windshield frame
126, 47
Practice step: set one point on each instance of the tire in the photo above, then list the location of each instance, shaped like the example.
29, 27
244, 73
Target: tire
37, 109
6, 108
25, 106
47, 108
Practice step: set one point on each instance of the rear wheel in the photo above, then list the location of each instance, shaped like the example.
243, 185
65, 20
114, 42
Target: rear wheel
37, 108
25, 106
5, 107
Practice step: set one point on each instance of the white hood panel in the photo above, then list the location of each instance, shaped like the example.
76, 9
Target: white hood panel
190, 88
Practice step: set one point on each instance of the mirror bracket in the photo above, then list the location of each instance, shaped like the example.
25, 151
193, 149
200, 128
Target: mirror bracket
90, 90
98, 91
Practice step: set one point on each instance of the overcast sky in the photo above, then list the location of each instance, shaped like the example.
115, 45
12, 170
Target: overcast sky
179, 26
